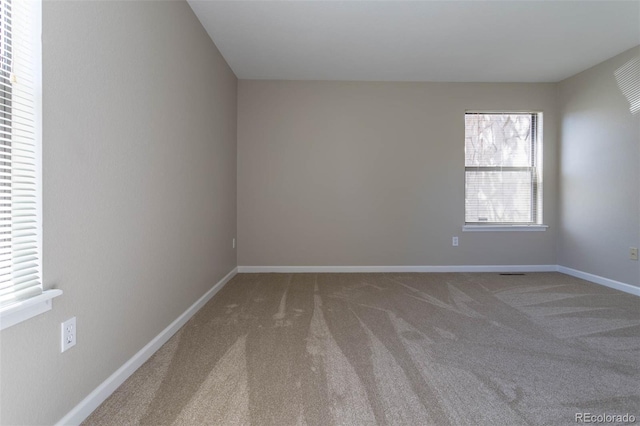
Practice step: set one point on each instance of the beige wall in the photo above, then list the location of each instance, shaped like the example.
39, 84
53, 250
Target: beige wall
599, 205
139, 193
353, 173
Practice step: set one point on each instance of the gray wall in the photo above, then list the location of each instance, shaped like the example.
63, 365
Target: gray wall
139, 193
352, 173
599, 197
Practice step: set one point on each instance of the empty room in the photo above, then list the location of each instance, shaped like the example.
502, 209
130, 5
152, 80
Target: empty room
319, 212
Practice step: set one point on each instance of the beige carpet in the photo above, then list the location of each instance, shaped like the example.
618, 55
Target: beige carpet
403, 349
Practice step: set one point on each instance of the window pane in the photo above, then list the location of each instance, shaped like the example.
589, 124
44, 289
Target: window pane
498, 140
498, 197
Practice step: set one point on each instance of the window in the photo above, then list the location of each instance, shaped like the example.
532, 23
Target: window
503, 179
20, 137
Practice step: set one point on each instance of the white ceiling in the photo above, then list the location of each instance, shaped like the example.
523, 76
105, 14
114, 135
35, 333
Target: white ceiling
490, 41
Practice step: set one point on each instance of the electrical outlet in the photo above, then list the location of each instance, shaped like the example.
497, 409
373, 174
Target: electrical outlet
233, 243
633, 253
454, 241
68, 334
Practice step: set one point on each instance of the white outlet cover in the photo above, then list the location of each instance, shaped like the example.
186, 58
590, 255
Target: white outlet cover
68, 334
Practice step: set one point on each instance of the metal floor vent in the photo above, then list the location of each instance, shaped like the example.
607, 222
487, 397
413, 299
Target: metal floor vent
513, 273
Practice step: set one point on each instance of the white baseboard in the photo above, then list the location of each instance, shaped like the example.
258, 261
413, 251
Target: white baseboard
627, 288
444, 268
81, 411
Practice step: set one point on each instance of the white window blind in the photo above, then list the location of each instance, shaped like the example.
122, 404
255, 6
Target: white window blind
503, 169
20, 235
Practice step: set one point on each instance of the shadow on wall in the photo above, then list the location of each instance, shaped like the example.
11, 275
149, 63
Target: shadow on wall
628, 77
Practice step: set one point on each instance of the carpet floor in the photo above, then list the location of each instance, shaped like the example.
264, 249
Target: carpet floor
392, 348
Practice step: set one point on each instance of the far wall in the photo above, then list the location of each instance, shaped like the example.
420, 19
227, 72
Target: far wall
357, 173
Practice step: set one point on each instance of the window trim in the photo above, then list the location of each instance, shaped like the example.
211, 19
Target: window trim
504, 228
22, 310
29, 308
537, 192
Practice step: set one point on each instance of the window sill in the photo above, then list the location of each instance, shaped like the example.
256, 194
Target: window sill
23, 310
503, 228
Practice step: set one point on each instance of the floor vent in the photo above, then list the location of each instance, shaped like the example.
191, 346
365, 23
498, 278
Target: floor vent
513, 273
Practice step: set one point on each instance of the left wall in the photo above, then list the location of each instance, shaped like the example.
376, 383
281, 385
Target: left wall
139, 156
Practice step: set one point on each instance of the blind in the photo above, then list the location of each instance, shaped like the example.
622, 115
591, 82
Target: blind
501, 168
20, 260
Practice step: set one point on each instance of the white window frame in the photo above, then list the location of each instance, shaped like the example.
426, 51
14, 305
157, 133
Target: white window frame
537, 139
24, 309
